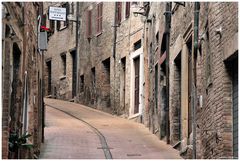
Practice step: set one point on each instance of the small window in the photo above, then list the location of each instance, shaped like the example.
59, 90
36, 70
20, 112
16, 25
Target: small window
52, 25
93, 77
157, 38
106, 65
137, 45
81, 83
119, 12
63, 57
44, 20
127, 11
99, 17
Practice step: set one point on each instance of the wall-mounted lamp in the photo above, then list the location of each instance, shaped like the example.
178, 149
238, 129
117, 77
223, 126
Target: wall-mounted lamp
72, 18
143, 10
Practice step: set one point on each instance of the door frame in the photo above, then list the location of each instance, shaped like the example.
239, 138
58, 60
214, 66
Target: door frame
135, 54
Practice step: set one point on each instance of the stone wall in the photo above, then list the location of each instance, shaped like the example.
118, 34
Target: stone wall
21, 65
60, 42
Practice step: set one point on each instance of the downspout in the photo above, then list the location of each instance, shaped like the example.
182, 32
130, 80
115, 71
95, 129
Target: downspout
114, 50
115, 31
167, 33
196, 28
77, 53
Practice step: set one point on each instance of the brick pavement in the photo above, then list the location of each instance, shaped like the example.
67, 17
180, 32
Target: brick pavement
67, 137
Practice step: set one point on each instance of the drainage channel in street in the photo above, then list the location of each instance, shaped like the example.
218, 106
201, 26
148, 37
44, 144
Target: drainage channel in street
102, 139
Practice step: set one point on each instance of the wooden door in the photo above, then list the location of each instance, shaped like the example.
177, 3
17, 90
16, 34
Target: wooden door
136, 91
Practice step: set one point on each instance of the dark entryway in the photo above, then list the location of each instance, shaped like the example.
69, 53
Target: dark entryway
136, 86
191, 75
123, 83
177, 96
15, 100
74, 73
49, 70
156, 86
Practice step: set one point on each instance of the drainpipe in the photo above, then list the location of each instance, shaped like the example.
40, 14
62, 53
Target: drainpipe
114, 49
196, 28
115, 31
167, 32
77, 53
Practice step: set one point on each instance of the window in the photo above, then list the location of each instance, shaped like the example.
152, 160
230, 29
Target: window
157, 38
137, 45
106, 65
119, 12
63, 56
99, 17
44, 20
93, 77
88, 23
127, 11
52, 25
66, 5
81, 83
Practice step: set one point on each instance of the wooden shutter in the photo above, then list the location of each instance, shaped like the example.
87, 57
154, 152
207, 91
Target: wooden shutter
89, 23
67, 13
119, 12
99, 17
127, 11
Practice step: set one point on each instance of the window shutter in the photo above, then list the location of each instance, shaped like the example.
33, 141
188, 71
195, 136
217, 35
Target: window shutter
127, 9
67, 13
99, 17
89, 23
119, 12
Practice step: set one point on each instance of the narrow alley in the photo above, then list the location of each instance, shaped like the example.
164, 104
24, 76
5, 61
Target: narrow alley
120, 80
72, 132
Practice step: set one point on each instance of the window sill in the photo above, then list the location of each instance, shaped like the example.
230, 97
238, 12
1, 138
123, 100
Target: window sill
98, 34
63, 77
63, 28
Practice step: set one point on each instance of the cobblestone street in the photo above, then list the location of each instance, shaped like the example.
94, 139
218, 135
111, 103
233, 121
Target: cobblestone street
66, 137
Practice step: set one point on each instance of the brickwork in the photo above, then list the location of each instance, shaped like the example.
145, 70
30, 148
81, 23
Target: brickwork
98, 48
62, 41
21, 63
214, 119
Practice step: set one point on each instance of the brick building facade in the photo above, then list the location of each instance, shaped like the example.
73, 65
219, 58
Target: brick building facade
21, 80
123, 69
215, 80
60, 58
110, 43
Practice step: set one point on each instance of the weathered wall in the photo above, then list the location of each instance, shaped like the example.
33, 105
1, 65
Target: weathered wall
62, 41
21, 64
214, 119
213, 76
99, 47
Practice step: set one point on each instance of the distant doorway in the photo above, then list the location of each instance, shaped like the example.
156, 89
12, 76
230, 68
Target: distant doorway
136, 84
49, 70
74, 73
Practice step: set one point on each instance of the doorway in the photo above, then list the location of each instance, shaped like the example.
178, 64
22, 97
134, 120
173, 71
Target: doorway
49, 70
136, 84
123, 83
74, 73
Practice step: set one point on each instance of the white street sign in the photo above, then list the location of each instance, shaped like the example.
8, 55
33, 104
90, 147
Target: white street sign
57, 13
